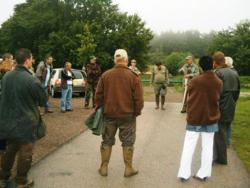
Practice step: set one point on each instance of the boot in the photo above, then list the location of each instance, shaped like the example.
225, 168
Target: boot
105, 154
128, 158
157, 100
162, 102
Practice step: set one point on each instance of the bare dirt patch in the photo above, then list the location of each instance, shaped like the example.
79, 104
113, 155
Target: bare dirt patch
61, 127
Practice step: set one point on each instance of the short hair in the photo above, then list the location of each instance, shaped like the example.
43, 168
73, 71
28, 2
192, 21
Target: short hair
66, 63
47, 56
22, 55
219, 57
7, 56
206, 63
120, 55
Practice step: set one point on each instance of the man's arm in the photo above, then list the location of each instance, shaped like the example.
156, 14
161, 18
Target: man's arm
65, 76
99, 94
38, 92
152, 76
138, 97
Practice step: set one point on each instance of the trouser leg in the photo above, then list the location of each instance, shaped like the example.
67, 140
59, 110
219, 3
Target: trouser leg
163, 97
206, 155
127, 131
8, 159
190, 142
229, 134
24, 163
157, 101
220, 145
87, 95
108, 136
68, 98
63, 99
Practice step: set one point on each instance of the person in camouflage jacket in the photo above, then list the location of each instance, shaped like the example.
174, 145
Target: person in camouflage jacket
93, 72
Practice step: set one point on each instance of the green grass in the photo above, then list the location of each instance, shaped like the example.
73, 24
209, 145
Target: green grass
241, 131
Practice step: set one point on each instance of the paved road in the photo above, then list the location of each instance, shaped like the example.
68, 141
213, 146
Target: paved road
159, 142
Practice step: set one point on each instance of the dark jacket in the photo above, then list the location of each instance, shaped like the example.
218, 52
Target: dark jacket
93, 72
19, 114
203, 102
65, 77
41, 72
120, 92
230, 93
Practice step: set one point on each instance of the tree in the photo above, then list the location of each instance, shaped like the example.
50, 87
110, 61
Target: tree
235, 42
175, 61
72, 30
189, 41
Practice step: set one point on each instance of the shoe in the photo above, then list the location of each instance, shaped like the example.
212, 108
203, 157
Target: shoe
163, 108
128, 160
157, 107
183, 180
86, 107
200, 179
105, 154
63, 111
69, 110
183, 111
14, 184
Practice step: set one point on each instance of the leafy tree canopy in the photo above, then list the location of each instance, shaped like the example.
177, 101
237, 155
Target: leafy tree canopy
73, 30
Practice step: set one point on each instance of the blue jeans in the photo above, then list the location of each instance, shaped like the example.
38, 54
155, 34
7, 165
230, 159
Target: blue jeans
66, 98
46, 106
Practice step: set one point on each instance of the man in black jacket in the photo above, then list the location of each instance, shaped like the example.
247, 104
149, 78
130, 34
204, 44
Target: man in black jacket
67, 77
19, 118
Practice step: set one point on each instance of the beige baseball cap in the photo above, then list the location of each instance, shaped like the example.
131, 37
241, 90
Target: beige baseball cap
188, 57
120, 54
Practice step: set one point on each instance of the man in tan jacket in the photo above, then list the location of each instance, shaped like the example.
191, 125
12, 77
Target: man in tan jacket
119, 91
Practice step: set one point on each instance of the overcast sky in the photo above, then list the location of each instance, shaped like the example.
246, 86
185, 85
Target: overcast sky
176, 15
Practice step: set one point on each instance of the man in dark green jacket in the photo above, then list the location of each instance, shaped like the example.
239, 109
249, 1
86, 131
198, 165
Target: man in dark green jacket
229, 96
19, 118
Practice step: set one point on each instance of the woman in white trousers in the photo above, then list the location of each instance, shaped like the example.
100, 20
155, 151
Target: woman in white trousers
202, 119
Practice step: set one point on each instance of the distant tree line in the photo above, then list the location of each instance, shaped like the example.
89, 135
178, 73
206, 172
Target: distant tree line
171, 47
73, 30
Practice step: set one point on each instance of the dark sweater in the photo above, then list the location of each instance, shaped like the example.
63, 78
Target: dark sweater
203, 102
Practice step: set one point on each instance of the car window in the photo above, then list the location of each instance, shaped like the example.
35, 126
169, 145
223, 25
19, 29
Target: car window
78, 74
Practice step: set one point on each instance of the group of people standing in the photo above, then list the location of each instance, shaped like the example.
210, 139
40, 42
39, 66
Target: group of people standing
211, 100
210, 105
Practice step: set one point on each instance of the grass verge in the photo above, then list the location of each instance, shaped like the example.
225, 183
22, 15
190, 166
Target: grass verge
241, 131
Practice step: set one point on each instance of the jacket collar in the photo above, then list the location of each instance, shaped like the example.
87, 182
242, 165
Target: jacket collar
22, 68
121, 66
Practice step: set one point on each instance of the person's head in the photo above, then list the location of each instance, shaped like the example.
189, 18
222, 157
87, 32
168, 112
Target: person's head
23, 57
8, 57
133, 62
48, 59
229, 62
189, 59
219, 59
67, 66
92, 59
121, 57
206, 63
